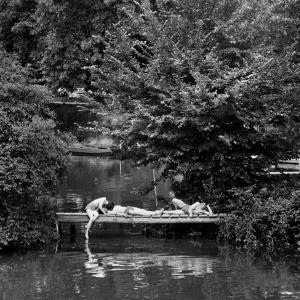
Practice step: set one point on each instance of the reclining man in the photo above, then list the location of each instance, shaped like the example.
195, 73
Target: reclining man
181, 208
133, 211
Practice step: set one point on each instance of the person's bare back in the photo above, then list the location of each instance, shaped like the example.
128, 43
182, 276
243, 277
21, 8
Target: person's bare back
181, 207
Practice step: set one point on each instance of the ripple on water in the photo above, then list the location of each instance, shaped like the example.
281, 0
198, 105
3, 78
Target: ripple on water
179, 265
140, 268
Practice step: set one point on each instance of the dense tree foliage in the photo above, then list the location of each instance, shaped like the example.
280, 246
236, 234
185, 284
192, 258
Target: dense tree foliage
32, 155
211, 94
57, 39
211, 89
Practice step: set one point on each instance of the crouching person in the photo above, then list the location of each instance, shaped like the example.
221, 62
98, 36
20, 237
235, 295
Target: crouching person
94, 209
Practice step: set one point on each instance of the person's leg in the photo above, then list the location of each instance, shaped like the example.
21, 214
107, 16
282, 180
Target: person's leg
200, 212
191, 208
93, 215
135, 211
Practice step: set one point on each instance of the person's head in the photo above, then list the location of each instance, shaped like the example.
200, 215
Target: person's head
110, 205
171, 194
202, 205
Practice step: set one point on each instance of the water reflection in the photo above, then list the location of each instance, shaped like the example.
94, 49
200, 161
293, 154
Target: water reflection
93, 265
146, 268
136, 267
92, 177
180, 265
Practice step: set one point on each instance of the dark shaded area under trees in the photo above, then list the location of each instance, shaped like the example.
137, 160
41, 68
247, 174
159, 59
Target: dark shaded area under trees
210, 90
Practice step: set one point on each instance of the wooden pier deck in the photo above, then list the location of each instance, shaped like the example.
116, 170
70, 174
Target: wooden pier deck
115, 219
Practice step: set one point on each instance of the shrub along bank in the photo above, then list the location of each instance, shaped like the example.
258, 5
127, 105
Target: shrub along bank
264, 217
32, 156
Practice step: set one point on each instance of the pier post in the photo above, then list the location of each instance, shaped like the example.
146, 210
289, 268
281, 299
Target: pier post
73, 229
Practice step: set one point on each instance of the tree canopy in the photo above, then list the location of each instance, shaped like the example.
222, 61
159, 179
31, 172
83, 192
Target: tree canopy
211, 88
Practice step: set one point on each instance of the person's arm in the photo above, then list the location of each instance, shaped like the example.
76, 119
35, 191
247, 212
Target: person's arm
190, 210
174, 204
176, 212
104, 211
209, 209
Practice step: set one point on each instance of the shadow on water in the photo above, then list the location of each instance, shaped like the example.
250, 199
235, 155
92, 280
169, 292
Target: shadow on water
146, 268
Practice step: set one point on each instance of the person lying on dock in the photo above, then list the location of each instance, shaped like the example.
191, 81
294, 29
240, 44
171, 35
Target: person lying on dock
134, 211
94, 209
199, 210
181, 207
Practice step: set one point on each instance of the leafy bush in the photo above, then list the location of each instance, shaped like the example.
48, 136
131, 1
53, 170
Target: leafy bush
267, 217
32, 156
27, 225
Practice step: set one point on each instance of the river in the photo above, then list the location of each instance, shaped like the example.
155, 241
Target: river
92, 177
119, 263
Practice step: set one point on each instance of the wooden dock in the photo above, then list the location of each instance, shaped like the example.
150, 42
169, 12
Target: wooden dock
89, 151
114, 219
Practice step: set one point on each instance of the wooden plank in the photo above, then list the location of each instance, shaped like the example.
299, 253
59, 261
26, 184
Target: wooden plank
83, 218
89, 151
284, 172
294, 161
71, 103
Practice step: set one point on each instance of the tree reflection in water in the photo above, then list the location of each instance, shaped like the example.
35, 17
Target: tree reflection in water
91, 177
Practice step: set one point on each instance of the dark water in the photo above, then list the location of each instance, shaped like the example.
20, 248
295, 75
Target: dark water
146, 268
91, 177
120, 264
